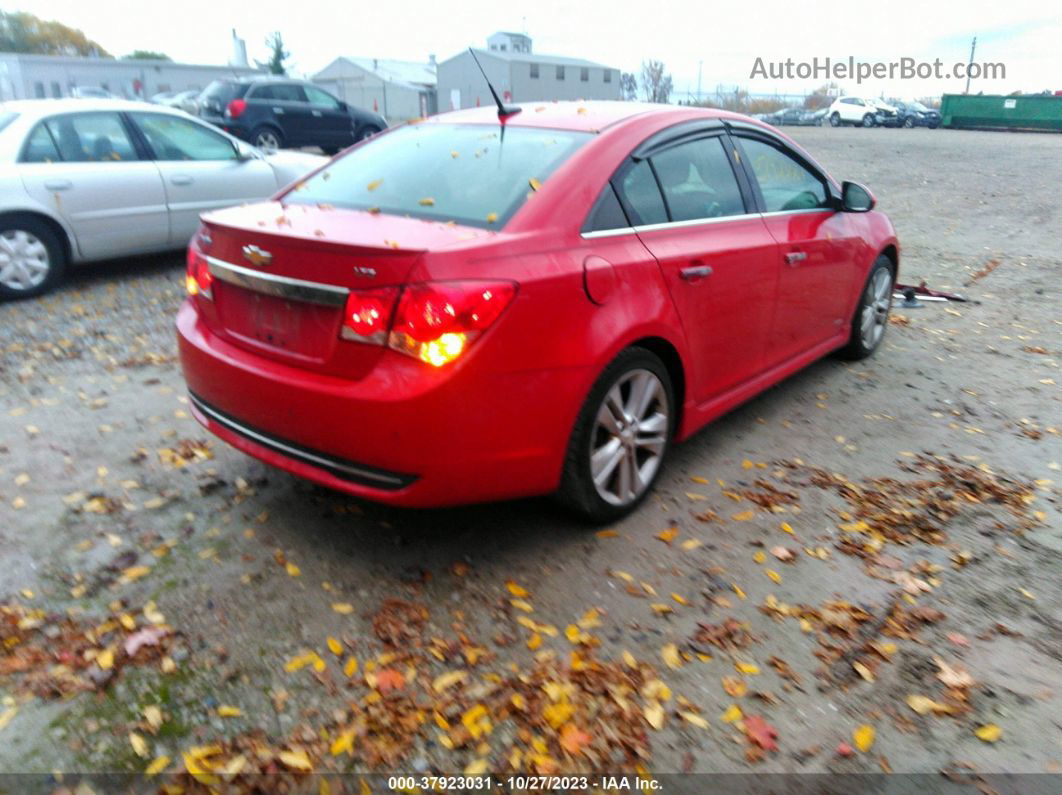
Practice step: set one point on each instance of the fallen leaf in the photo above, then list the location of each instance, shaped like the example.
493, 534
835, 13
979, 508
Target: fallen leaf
864, 737
516, 590
292, 569
229, 712
744, 516
667, 536
427, 201
572, 738
734, 686
343, 608
157, 766
139, 744
444, 681
732, 715
334, 646
782, 554
747, 668
297, 760
390, 679
374, 184
654, 714
534, 183
761, 733
989, 733
344, 743
671, 656
923, 705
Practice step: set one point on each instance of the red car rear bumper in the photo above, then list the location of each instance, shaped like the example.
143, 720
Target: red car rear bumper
405, 434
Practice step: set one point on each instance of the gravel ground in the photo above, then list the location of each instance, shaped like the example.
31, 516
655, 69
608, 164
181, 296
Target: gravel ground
855, 537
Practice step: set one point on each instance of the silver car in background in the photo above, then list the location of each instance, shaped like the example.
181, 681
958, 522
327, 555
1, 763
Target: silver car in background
84, 180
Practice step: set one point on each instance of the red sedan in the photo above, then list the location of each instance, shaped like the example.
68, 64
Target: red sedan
473, 308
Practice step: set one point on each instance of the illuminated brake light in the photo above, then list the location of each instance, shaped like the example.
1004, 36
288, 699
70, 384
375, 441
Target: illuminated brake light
367, 314
198, 280
436, 322
235, 108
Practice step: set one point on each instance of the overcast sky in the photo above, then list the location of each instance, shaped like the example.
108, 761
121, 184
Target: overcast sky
1025, 35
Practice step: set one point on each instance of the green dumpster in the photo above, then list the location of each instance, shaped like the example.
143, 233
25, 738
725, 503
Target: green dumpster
996, 112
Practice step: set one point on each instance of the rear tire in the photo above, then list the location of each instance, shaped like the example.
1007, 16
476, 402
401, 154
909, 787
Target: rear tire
868, 120
32, 257
908, 122
620, 440
871, 316
835, 119
267, 138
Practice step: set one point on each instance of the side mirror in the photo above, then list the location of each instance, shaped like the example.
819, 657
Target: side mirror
856, 199
243, 153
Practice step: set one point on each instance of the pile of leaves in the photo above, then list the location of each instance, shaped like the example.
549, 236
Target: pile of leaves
55, 655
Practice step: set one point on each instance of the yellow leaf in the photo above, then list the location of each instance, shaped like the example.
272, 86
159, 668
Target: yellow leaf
667, 536
297, 760
759, 556
443, 681
105, 659
292, 569
300, 661
334, 646
534, 641
556, 715
746, 464
534, 183
732, 715
516, 590
139, 744
629, 660
492, 217
127, 621
343, 743
343, 608
157, 766
591, 618
787, 528
734, 686
863, 671
695, 719
518, 701
135, 573
522, 604
229, 712
740, 593
654, 714
427, 201
153, 715
864, 737
351, 667
606, 533
775, 576
691, 543
1027, 594
660, 608
923, 705
989, 733
744, 516
747, 668
679, 598
477, 721
699, 479
374, 184
477, 767
671, 656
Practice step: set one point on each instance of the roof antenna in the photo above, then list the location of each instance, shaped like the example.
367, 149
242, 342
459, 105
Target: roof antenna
504, 111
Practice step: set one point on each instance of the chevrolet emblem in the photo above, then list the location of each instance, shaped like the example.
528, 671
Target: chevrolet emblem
256, 256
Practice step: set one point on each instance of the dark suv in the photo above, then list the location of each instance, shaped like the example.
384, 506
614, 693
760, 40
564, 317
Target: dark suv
275, 112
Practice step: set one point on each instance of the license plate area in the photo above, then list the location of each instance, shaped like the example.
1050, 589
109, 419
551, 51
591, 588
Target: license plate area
277, 324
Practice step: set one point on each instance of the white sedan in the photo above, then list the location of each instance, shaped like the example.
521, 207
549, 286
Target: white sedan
84, 180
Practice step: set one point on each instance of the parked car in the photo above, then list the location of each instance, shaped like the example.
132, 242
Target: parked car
853, 110
84, 180
915, 114
458, 311
161, 97
184, 100
91, 92
274, 112
887, 115
799, 117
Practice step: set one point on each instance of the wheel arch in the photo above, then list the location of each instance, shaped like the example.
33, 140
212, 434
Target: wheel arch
61, 232
669, 355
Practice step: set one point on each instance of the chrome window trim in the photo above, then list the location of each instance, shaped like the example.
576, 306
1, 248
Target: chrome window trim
670, 225
280, 286
799, 212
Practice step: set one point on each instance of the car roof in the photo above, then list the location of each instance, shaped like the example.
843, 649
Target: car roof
589, 116
37, 108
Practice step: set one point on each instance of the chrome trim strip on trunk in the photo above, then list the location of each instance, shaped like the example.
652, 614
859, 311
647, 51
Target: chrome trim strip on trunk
280, 286
339, 467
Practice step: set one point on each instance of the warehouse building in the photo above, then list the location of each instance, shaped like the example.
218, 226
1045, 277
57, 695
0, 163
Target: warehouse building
41, 76
397, 90
521, 75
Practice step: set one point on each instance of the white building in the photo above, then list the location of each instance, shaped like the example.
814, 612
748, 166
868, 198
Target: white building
40, 76
397, 90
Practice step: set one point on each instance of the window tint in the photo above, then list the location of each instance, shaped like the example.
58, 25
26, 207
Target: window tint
91, 137
174, 138
460, 172
39, 147
785, 183
639, 189
698, 181
607, 213
320, 98
279, 92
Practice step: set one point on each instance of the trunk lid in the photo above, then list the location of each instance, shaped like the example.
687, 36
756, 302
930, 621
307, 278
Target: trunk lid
282, 274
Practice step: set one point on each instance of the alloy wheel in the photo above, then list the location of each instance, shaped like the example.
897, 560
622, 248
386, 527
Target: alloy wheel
24, 260
876, 306
267, 141
629, 437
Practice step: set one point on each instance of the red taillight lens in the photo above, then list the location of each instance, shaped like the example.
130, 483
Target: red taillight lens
437, 321
198, 279
367, 315
235, 108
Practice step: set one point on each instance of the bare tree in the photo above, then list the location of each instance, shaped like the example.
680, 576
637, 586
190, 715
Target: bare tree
656, 85
629, 86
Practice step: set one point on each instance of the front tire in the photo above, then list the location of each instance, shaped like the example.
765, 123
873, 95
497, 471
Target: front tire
835, 119
620, 439
868, 120
32, 258
872, 312
268, 139
908, 123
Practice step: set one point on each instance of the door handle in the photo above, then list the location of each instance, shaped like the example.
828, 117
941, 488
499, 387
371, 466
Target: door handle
315, 112
794, 257
278, 111
695, 272
58, 184
181, 179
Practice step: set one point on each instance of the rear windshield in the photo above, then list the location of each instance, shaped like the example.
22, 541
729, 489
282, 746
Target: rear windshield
465, 173
221, 92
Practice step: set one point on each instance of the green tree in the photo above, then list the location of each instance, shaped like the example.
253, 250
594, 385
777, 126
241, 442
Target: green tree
22, 32
146, 55
277, 55
655, 83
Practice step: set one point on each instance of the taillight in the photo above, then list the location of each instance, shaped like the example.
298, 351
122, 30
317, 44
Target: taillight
437, 321
367, 315
235, 108
198, 279
434, 321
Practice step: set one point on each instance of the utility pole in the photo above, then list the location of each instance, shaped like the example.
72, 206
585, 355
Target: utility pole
973, 47
700, 66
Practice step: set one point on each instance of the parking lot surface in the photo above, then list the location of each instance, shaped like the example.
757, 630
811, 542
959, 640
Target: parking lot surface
866, 545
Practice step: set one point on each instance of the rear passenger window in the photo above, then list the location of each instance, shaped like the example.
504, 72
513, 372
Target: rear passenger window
698, 181
639, 190
607, 213
280, 92
91, 137
39, 147
786, 184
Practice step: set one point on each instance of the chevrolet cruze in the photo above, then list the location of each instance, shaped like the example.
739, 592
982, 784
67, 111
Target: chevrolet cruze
481, 306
